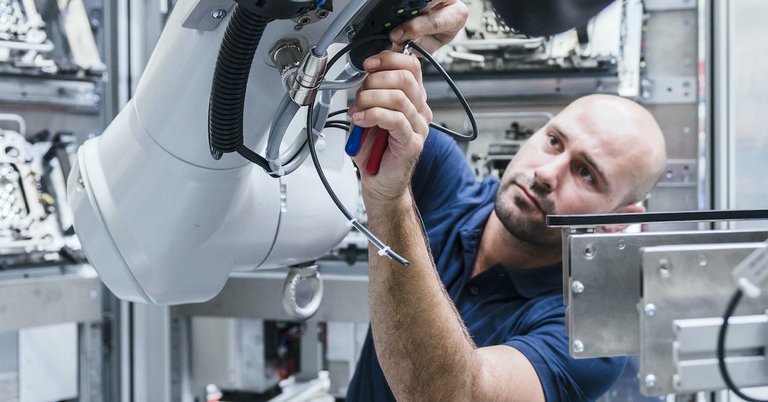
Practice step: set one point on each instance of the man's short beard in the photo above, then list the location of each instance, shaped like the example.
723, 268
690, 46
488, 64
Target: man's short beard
530, 227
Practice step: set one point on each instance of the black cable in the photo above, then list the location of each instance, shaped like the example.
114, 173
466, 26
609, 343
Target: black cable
721, 349
462, 100
229, 85
339, 126
338, 112
455, 90
347, 122
316, 161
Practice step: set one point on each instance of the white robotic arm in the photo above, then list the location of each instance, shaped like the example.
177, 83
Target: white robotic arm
160, 219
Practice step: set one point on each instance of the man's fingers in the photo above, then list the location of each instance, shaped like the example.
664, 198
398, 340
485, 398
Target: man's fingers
395, 100
436, 26
399, 79
388, 60
406, 129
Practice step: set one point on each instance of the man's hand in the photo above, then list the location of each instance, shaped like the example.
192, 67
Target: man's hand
437, 25
392, 98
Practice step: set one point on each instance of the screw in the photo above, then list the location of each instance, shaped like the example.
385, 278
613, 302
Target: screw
665, 268
304, 20
589, 251
321, 13
650, 381
298, 27
578, 346
351, 31
702, 260
621, 244
218, 13
80, 185
650, 310
577, 287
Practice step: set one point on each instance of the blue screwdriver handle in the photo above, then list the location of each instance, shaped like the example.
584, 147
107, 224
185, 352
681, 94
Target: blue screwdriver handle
355, 141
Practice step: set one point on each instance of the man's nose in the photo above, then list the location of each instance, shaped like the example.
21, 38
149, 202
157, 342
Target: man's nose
550, 174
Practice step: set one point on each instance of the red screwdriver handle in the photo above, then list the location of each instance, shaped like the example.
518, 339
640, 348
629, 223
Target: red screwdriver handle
379, 146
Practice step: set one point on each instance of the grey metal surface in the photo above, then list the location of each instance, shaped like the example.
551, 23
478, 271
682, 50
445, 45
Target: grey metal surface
604, 316
685, 281
229, 352
81, 95
670, 48
679, 173
9, 365
32, 302
258, 295
208, 14
669, 89
666, 5
695, 336
747, 371
151, 353
504, 87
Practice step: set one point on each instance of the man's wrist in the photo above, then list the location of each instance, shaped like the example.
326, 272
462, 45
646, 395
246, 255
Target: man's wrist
377, 202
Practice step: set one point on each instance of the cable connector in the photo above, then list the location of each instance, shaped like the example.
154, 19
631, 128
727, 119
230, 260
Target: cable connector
751, 273
384, 251
308, 77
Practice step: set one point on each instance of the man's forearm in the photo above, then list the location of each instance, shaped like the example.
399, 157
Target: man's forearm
421, 342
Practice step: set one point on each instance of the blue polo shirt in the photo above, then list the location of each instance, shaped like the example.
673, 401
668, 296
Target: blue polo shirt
522, 308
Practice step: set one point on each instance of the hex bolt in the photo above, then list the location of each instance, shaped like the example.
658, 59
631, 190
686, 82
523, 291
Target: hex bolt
650, 381
650, 310
218, 13
578, 346
577, 287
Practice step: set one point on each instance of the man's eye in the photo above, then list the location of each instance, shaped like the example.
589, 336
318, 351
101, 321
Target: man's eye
553, 141
586, 174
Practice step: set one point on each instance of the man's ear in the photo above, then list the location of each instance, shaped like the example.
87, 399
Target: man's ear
628, 209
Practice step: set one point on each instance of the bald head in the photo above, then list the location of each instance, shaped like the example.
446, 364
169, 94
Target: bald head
624, 124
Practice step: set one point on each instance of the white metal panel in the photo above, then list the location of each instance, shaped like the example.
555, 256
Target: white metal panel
48, 363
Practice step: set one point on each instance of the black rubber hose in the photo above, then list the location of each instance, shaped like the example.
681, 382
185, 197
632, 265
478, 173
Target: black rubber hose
225, 109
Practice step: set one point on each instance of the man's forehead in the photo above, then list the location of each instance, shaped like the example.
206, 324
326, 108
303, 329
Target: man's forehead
600, 146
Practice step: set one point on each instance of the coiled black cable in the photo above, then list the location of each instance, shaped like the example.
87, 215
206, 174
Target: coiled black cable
721, 349
230, 79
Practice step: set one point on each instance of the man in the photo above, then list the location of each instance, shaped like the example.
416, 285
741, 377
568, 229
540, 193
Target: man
478, 315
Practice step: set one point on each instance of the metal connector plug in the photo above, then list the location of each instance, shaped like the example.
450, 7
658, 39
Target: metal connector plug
751, 273
307, 78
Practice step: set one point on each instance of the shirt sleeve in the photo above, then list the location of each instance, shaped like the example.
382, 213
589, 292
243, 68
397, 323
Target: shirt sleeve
442, 168
562, 377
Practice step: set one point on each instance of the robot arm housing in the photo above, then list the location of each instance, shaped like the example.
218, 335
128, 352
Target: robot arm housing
159, 218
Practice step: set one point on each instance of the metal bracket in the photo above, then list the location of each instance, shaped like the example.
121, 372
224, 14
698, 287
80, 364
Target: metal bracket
206, 15
679, 173
670, 5
669, 90
694, 349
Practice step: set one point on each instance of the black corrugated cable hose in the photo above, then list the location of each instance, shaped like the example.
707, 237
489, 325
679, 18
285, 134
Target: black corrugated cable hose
233, 65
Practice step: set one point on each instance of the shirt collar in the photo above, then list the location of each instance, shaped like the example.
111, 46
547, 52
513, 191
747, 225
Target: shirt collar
528, 283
